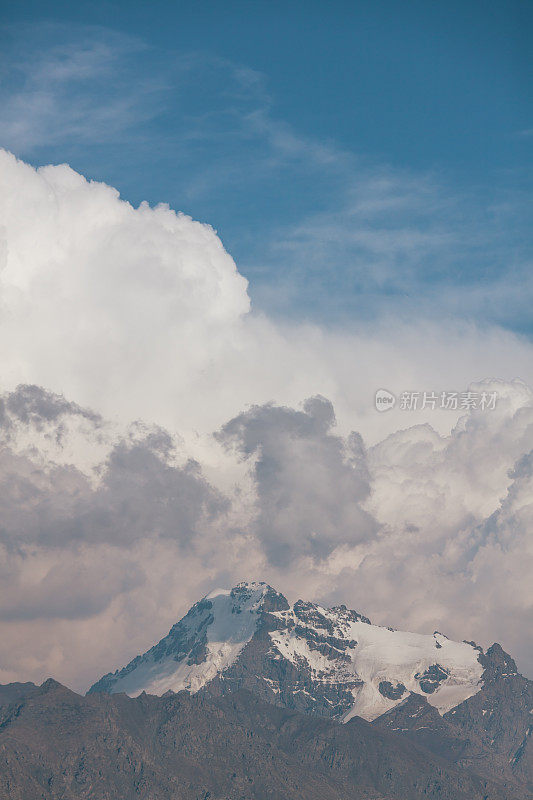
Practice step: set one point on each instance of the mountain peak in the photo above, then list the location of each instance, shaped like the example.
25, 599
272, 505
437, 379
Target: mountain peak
498, 663
200, 646
326, 661
253, 594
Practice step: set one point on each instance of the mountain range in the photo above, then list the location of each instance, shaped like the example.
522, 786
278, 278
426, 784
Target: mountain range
248, 697
330, 662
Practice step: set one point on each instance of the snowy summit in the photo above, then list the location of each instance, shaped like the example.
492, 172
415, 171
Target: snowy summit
327, 661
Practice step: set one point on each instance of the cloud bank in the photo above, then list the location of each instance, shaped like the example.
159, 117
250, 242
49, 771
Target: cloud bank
419, 531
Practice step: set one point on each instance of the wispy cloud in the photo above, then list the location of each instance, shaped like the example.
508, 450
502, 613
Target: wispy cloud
61, 86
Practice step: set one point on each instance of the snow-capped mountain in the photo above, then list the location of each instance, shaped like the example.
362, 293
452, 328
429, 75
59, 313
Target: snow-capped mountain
331, 662
205, 643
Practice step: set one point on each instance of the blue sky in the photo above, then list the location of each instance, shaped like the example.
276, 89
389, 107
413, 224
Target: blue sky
360, 160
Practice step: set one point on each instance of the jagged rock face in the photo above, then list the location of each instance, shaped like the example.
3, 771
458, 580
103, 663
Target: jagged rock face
432, 678
326, 662
489, 732
332, 662
501, 714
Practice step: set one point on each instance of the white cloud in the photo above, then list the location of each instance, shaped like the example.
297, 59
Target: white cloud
455, 549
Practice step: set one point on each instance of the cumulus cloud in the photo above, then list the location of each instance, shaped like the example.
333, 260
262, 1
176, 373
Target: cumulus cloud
141, 313
31, 404
102, 283
454, 550
68, 539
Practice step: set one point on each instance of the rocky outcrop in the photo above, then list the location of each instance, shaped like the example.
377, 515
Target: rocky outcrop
432, 678
392, 692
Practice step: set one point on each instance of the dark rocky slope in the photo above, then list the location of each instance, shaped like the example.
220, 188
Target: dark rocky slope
489, 733
57, 745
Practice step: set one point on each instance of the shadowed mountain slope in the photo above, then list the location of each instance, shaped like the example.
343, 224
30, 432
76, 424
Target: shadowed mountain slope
55, 744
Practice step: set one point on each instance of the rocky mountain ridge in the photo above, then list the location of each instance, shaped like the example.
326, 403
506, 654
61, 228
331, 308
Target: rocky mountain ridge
327, 662
250, 698
55, 744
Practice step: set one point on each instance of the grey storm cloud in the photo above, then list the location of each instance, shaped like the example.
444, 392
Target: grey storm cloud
310, 483
142, 494
30, 403
141, 491
59, 511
